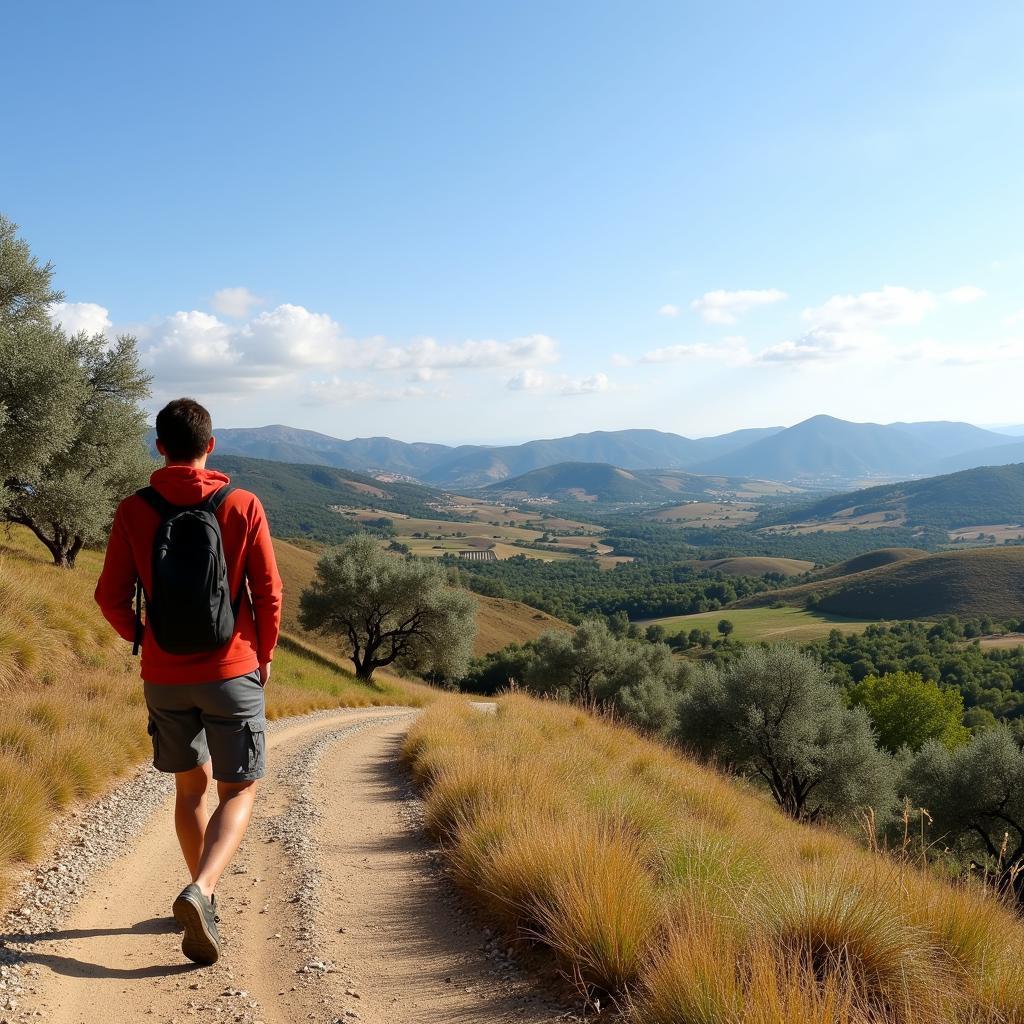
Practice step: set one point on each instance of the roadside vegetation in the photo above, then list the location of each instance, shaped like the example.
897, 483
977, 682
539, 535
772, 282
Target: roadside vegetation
683, 896
72, 714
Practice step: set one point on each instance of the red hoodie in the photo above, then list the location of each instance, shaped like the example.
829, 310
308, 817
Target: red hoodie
249, 555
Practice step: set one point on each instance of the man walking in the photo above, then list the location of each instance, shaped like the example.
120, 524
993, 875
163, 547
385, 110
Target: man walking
201, 551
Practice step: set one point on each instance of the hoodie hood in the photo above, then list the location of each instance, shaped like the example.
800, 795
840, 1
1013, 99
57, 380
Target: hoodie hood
185, 485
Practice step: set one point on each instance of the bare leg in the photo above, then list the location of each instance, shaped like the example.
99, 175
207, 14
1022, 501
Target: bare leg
191, 813
224, 832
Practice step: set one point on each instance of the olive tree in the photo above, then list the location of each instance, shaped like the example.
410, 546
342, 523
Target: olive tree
72, 431
389, 610
974, 795
774, 714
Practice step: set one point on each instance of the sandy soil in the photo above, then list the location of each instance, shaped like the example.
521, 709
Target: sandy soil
335, 909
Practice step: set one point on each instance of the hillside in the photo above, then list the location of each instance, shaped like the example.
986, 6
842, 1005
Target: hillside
986, 581
869, 560
591, 482
992, 494
753, 565
299, 498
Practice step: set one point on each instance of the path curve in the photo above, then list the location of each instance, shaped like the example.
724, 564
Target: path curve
334, 910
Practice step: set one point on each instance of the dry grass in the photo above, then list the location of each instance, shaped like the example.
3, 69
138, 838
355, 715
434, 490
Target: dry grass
72, 713
688, 898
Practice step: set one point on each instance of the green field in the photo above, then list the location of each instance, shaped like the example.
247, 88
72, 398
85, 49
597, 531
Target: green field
763, 623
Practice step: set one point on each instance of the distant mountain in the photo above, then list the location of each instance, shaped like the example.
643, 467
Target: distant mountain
973, 497
477, 465
823, 451
826, 450
999, 455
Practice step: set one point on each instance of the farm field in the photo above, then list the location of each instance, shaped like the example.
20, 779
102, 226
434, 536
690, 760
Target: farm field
1004, 641
473, 510
429, 548
773, 624
842, 521
999, 533
754, 565
706, 513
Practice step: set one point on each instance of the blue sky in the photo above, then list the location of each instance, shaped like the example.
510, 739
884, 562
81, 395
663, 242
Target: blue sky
483, 222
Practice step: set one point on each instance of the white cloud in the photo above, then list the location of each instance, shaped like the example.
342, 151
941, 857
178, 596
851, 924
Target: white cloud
1014, 319
669, 310
819, 344
965, 293
558, 384
284, 345
889, 305
235, 302
731, 349
531, 350
337, 390
725, 307
943, 354
80, 316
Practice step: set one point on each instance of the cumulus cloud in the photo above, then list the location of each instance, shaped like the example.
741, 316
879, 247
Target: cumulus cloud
288, 344
669, 310
732, 349
80, 316
558, 384
889, 305
944, 354
235, 302
336, 390
965, 293
725, 307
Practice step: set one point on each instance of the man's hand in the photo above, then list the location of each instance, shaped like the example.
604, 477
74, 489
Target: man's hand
264, 673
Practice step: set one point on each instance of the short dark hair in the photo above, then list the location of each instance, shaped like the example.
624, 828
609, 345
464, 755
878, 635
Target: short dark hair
184, 428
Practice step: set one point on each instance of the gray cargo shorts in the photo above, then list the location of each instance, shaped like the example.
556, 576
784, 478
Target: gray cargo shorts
190, 723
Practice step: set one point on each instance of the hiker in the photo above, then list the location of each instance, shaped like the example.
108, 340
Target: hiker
200, 552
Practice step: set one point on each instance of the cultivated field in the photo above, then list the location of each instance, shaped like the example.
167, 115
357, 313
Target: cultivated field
999, 533
772, 624
706, 513
844, 520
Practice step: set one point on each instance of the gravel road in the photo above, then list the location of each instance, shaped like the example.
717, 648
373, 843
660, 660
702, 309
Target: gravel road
336, 908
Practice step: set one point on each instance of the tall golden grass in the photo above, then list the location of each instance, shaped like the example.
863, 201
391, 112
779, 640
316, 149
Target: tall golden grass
688, 898
72, 714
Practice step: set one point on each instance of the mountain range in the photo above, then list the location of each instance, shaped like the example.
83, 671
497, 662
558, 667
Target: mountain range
822, 452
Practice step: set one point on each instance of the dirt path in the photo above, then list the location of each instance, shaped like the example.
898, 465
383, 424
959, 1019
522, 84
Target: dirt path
333, 911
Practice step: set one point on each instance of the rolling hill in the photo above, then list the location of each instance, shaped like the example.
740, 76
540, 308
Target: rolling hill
299, 498
595, 482
988, 495
1000, 455
986, 581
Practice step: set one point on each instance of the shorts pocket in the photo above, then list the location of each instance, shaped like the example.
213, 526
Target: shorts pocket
155, 738
256, 729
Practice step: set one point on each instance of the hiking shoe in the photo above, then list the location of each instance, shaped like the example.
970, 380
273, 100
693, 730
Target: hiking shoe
196, 914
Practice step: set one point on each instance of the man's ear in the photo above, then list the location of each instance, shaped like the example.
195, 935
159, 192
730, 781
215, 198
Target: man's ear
211, 445
160, 448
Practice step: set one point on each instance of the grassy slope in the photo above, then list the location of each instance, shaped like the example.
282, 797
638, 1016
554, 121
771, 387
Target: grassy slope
870, 560
756, 565
72, 714
772, 624
986, 581
689, 897
499, 622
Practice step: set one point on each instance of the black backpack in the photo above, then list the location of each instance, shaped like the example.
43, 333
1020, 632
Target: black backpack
189, 607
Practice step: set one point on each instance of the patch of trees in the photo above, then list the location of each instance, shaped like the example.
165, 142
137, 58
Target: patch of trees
577, 588
989, 680
72, 429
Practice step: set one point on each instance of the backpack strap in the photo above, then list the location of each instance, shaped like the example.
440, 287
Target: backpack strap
215, 500
152, 497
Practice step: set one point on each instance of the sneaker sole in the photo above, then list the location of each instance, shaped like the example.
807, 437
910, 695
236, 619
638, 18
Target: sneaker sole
198, 944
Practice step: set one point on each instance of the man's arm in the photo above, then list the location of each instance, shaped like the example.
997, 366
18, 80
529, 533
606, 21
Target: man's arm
264, 585
116, 585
